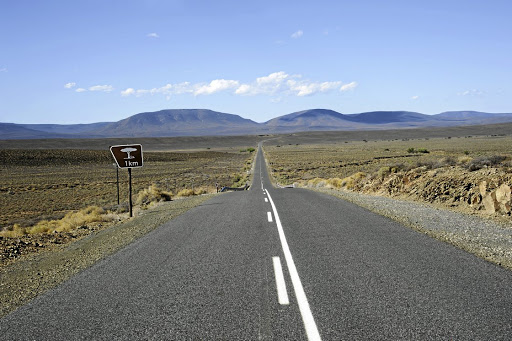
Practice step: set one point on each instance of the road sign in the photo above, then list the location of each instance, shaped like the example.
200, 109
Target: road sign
129, 156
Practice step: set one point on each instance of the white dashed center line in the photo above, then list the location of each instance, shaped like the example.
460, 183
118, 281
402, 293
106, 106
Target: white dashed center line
282, 294
269, 216
305, 311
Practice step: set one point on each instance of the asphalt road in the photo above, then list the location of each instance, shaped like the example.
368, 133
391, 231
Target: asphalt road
210, 274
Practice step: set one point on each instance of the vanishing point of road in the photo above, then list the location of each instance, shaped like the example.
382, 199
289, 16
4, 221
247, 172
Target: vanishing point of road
276, 264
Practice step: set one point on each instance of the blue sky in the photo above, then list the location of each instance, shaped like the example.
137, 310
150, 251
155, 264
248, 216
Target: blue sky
88, 61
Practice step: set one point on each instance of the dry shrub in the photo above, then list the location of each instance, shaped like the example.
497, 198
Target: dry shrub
14, 231
334, 182
315, 182
186, 192
204, 190
350, 181
383, 172
485, 161
70, 222
464, 160
152, 194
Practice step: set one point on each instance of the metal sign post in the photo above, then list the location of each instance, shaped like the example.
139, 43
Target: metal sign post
128, 156
130, 186
117, 181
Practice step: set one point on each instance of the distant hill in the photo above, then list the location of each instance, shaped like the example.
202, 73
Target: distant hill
66, 128
314, 119
323, 119
475, 117
383, 117
179, 122
203, 122
11, 131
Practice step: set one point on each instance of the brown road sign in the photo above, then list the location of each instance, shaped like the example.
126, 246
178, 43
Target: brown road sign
129, 156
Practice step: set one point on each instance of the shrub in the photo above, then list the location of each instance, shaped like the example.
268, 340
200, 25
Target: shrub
71, 221
447, 161
186, 192
334, 182
384, 171
350, 181
420, 150
485, 161
463, 160
152, 194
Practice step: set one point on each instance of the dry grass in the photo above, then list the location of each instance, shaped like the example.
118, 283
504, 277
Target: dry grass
71, 221
152, 194
38, 185
294, 163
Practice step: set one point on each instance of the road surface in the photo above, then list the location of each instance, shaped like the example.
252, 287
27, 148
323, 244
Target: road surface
276, 264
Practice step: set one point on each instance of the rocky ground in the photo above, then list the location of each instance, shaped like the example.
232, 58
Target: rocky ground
485, 192
468, 208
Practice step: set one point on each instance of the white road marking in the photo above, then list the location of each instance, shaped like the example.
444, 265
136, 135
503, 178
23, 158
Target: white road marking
305, 311
282, 294
269, 216
266, 200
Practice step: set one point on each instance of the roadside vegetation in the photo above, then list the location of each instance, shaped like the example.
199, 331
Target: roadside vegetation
471, 174
69, 193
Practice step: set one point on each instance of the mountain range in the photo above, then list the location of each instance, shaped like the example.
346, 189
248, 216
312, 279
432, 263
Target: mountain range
203, 122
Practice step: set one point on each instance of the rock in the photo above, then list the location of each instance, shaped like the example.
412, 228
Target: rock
483, 188
475, 199
490, 203
503, 194
406, 180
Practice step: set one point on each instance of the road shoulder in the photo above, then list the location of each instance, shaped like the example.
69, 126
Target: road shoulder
484, 238
24, 280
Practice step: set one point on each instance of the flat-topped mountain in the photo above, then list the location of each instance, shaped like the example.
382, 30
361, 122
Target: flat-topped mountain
179, 122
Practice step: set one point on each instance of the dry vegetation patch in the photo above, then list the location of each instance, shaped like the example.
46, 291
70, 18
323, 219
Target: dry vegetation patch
472, 174
57, 196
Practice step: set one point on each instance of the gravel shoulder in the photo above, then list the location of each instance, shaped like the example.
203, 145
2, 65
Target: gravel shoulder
27, 278
486, 239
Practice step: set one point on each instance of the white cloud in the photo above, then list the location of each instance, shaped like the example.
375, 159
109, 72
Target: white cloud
216, 86
152, 35
305, 88
243, 89
297, 34
273, 78
268, 85
275, 84
104, 88
70, 85
348, 86
472, 93
414, 98
128, 92
4, 69
81, 90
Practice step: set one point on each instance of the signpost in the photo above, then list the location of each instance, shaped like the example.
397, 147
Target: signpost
128, 156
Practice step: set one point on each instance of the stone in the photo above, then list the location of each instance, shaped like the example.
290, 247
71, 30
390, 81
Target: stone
503, 194
490, 203
483, 188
